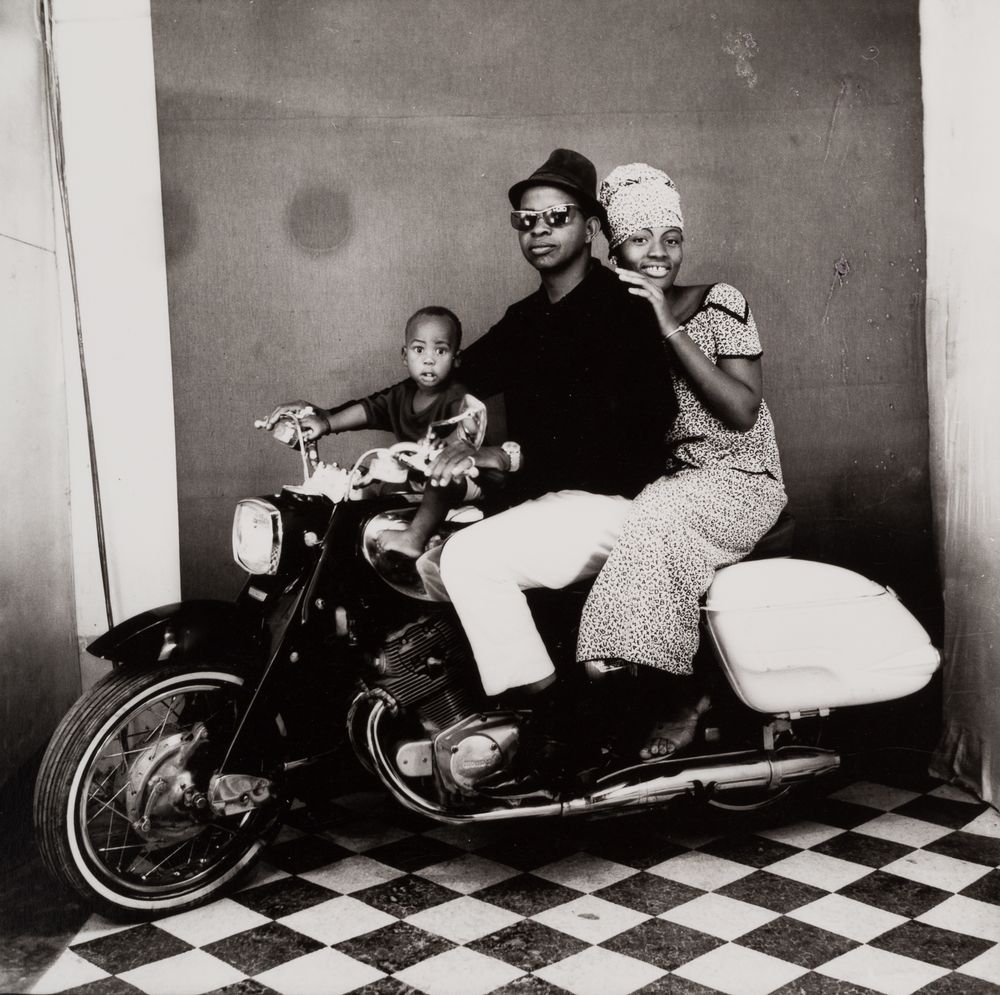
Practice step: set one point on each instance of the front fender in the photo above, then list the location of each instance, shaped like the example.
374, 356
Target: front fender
173, 632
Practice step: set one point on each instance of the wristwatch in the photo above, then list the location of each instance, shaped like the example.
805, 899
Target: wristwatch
513, 451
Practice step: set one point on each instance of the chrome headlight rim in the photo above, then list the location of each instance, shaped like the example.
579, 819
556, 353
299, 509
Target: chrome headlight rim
255, 564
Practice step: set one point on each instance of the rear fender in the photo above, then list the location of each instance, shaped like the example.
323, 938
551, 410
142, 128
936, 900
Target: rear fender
179, 631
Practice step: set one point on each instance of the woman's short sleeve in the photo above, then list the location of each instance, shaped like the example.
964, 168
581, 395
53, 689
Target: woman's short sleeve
735, 330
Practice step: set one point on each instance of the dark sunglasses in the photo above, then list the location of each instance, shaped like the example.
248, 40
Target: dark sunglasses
555, 217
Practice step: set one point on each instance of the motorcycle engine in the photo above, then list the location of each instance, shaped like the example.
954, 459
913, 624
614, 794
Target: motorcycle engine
472, 750
427, 666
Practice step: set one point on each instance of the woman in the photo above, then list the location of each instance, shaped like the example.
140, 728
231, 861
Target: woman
723, 486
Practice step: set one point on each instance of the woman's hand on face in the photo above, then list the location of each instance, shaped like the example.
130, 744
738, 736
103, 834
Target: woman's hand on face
642, 286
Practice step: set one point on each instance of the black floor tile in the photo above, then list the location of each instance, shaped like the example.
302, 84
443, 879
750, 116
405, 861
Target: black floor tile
528, 945
634, 845
283, 897
796, 942
986, 889
757, 851
248, 986
820, 984
671, 984
405, 896
771, 891
394, 948
968, 846
529, 984
664, 944
866, 850
304, 854
263, 947
527, 855
941, 811
387, 986
843, 815
931, 944
414, 853
895, 894
648, 893
119, 952
527, 895
959, 984
106, 986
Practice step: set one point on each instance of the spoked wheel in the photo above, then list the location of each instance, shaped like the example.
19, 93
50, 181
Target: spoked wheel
124, 814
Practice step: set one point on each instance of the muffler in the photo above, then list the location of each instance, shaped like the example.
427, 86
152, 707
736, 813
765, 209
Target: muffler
634, 787
710, 774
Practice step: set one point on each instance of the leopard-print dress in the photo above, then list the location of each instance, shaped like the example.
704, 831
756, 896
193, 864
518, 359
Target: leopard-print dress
723, 490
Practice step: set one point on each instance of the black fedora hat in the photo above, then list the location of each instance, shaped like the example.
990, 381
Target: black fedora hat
567, 170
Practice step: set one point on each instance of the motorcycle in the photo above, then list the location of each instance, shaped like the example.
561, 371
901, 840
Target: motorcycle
167, 779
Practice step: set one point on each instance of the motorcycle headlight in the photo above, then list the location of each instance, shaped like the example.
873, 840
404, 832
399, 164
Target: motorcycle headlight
257, 536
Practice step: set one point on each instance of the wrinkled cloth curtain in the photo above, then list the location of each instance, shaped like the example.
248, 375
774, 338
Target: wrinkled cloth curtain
962, 160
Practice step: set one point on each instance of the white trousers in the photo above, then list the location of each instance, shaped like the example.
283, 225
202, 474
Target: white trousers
551, 542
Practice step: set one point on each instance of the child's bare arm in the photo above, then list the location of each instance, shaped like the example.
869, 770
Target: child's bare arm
348, 419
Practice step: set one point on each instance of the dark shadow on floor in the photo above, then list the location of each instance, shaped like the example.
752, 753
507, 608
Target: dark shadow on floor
38, 918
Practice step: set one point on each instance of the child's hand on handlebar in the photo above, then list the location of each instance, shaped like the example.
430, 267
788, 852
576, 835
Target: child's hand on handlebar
310, 416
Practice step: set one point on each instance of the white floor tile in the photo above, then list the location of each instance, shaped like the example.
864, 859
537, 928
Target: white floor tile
966, 915
597, 971
738, 970
701, 870
881, 971
802, 834
874, 795
719, 916
986, 966
203, 926
190, 973
937, 870
902, 829
467, 873
846, 917
819, 869
985, 824
69, 971
590, 918
323, 972
336, 920
459, 972
353, 874
463, 919
584, 872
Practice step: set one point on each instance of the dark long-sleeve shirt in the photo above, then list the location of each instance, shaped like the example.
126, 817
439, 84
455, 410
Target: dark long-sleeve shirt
586, 386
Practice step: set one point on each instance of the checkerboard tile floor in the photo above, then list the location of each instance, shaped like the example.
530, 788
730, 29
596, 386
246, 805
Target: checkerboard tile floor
887, 885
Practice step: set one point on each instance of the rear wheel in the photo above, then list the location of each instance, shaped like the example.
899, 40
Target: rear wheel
122, 811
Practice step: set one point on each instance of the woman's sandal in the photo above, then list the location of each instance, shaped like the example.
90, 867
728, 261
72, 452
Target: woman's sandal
669, 736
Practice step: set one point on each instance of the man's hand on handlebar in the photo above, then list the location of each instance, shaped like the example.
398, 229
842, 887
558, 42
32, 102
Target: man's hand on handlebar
458, 457
314, 424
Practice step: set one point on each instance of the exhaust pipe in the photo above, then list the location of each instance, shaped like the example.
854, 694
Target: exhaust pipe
640, 786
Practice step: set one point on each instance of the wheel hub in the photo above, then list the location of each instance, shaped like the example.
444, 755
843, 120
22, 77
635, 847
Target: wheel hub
161, 798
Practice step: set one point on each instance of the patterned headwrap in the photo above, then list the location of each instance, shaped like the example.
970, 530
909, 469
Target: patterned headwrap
638, 196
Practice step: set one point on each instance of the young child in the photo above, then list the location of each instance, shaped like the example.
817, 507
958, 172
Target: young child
431, 353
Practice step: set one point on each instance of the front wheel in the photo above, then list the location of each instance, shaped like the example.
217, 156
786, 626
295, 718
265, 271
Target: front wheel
122, 813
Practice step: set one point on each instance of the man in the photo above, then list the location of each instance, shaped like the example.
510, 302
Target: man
588, 399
